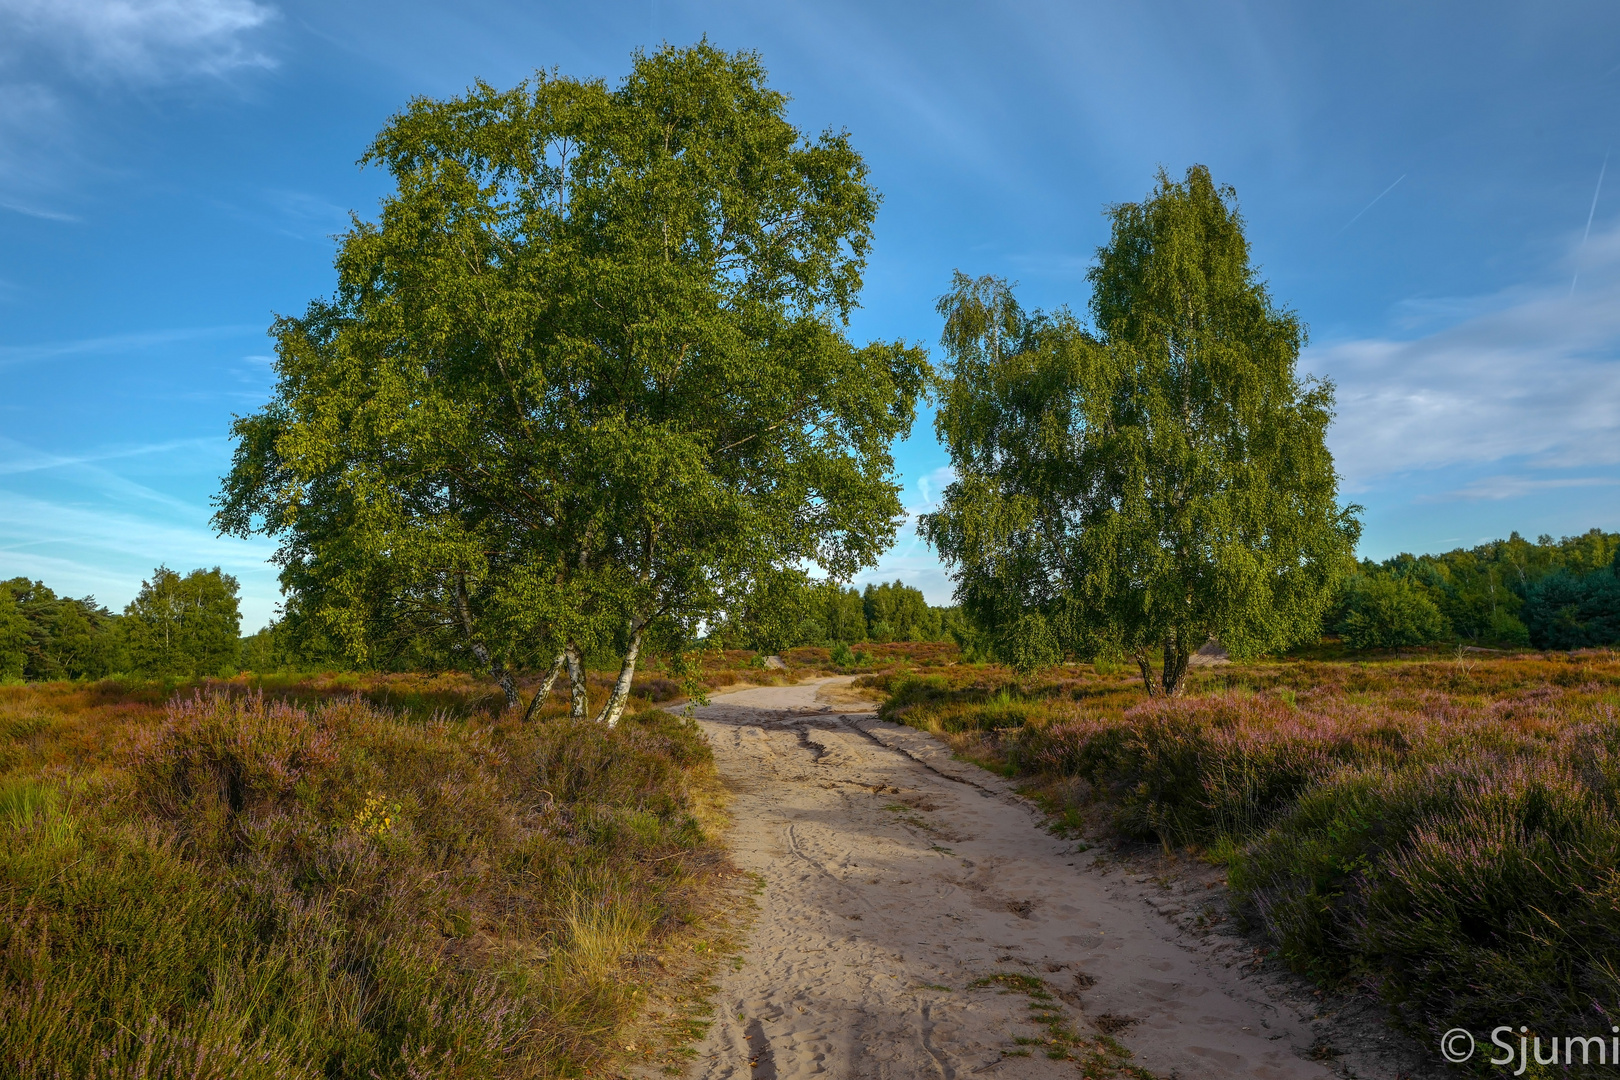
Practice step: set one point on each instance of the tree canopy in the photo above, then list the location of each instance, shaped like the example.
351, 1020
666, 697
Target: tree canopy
188, 626
1515, 592
45, 636
586, 375
1152, 480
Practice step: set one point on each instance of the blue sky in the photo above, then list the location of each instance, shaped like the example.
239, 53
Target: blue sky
1419, 183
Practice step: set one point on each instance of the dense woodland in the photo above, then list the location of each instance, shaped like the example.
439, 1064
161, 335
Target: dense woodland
176, 627
1551, 594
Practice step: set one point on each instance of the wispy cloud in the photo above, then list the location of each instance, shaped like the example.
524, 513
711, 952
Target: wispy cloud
92, 549
1510, 486
1370, 205
1533, 374
116, 343
15, 458
34, 132
143, 40
37, 211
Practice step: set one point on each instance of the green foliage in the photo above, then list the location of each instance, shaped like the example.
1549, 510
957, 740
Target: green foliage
1383, 612
906, 614
1028, 643
589, 372
44, 636
1469, 887
184, 626
781, 610
1154, 482
1551, 593
14, 637
1566, 610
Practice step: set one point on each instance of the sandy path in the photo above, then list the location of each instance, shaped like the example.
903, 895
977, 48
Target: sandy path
889, 888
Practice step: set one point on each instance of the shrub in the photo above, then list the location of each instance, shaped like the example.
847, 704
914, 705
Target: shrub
1471, 890
1028, 644
1386, 612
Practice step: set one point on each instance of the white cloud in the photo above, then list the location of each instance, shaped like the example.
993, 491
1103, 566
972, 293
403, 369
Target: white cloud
79, 548
1532, 373
1515, 487
143, 40
18, 458
33, 132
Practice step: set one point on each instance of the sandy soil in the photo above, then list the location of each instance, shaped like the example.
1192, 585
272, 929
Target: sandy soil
895, 877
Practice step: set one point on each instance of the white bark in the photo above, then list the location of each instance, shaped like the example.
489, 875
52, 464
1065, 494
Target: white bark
614, 708
576, 681
544, 692
502, 677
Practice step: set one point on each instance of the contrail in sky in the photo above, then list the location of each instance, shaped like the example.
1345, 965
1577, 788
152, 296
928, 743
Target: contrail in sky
1589, 214
1370, 205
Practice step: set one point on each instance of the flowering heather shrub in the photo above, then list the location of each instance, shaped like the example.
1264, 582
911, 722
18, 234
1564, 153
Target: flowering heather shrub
1476, 889
1196, 771
270, 890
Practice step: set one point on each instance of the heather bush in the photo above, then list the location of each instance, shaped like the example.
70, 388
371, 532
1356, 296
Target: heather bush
1473, 892
1206, 770
337, 890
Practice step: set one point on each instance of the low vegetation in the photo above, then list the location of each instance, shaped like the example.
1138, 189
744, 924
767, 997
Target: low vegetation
341, 877
1444, 827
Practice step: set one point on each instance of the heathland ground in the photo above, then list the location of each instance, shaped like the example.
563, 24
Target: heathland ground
343, 875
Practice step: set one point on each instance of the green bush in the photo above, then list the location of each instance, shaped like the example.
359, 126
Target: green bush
1386, 612
1476, 891
1028, 644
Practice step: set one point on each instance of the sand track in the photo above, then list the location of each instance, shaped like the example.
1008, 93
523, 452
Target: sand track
894, 877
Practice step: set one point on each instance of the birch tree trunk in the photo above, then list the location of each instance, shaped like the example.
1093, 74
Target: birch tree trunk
503, 678
544, 692
621, 689
1175, 664
576, 681
1146, 667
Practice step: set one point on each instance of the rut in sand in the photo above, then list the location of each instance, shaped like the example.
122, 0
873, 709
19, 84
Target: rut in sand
909, 903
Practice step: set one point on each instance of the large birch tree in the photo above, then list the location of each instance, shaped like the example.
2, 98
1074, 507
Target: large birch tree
586, 374
1136, 486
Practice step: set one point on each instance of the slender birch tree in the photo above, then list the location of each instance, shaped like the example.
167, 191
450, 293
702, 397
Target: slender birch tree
587, 373
1161, 477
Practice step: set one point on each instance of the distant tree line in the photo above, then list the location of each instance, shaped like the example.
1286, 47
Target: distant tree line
184, 627
1550, 594
789, 610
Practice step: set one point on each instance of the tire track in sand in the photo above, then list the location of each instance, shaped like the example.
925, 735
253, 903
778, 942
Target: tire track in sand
895, 877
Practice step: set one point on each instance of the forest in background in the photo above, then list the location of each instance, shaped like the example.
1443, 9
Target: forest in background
1550, 594
1545, 594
